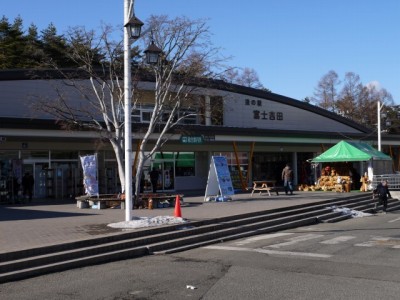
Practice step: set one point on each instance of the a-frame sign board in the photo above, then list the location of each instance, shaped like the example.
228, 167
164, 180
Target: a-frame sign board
219, 179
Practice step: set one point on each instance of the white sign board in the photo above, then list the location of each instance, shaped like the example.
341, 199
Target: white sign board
219, 178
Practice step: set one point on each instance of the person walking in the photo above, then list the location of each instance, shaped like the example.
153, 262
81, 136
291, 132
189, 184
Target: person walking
382, 190
154, 174
287, 177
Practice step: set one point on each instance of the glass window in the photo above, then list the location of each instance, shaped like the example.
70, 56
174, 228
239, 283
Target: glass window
185, 164
64, 154
35, 154
146, 116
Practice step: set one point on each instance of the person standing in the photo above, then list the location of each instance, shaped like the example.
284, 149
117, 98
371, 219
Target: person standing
154, 179
382, 190
27, 185
287, 177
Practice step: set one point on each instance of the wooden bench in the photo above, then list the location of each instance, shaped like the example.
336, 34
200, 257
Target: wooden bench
264, 186
100, 201
158, 199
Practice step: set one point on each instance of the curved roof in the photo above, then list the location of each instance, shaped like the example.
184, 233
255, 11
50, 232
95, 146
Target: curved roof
17, 74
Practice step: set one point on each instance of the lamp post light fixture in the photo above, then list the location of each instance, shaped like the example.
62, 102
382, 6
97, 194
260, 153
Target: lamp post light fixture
131, 30
134, 26
152, 54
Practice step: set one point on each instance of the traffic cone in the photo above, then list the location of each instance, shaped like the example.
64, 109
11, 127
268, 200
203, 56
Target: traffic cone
178, 213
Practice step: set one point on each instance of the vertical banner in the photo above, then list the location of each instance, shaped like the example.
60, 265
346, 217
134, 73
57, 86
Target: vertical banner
219, 178
89, 165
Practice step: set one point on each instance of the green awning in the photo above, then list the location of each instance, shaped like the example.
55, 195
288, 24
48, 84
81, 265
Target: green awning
350, 151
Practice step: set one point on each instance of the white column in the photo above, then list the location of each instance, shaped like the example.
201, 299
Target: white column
127, 116
294, 168
379, 124
208, 110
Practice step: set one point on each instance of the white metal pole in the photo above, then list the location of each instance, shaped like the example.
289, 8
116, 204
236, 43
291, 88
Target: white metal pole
127, 116
379, 125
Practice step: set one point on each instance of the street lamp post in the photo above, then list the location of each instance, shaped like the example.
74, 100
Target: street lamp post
131, 31
379, 106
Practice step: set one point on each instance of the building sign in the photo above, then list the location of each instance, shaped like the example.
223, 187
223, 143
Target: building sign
267, 115
208, 138
197, 139
259, 114
191, 139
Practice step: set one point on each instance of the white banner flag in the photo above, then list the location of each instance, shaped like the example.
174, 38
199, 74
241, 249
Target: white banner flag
89, 165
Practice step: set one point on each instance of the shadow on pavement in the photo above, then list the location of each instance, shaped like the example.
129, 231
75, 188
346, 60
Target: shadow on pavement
15, 213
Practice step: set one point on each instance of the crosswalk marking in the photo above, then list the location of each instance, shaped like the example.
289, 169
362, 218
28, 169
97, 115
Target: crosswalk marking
292, 238
337, 240
375, 241
297, 239
394, 220
270, 252
262, 237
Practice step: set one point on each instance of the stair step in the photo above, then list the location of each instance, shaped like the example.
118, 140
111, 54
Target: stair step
172, 238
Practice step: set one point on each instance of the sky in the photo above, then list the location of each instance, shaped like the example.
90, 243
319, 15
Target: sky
291, 44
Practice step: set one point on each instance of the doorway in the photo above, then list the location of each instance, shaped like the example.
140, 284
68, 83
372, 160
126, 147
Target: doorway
166, 180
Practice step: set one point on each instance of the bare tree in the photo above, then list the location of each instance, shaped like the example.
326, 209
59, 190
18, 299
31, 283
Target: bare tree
326, 92
92, 96
188, 60
247, 77
187, 54
372, 95
349, 97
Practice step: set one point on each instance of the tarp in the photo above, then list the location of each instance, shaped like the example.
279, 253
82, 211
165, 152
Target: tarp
350, 151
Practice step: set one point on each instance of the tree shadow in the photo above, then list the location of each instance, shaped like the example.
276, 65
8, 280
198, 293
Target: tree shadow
14, 214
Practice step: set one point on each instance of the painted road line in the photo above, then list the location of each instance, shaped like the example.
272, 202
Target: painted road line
270, 252
296, 240
339, 239
395, 220
261, 237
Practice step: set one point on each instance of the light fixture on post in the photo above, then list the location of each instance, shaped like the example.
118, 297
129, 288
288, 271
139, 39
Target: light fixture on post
131, 31
134, 26
152, 54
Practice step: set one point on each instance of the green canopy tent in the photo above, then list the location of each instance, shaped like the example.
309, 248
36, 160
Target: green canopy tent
378, 163
350, 151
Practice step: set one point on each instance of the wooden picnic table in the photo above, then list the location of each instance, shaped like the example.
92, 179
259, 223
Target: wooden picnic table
264, 186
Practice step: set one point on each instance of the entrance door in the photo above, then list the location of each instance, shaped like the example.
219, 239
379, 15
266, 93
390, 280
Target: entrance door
168, 175
166, 180
40, 181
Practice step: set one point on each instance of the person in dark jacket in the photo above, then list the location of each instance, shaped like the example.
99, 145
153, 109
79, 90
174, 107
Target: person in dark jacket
287, 177
382, 190
154, 174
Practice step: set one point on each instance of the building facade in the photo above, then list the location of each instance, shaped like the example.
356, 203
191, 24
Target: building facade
258, 131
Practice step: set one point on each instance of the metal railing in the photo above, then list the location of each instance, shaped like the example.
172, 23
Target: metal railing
392, 179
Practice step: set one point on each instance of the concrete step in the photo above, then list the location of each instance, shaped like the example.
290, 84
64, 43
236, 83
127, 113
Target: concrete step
245, 218
189, 235
22, 264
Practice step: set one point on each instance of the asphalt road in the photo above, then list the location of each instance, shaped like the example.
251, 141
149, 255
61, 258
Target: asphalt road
353, 259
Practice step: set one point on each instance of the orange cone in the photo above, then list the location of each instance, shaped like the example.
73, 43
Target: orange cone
178, 213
